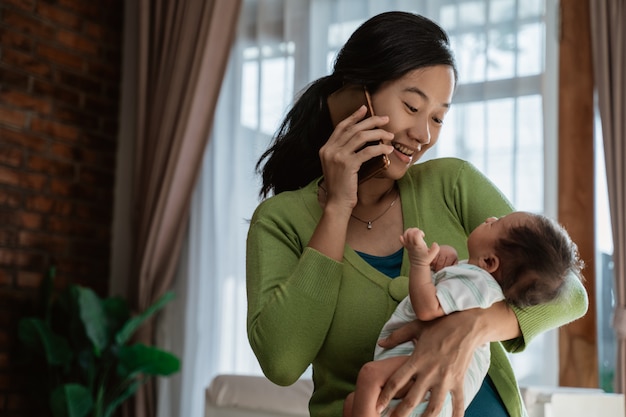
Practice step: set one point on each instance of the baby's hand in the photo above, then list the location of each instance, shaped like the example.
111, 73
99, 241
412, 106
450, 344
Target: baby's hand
419, 252
447, 256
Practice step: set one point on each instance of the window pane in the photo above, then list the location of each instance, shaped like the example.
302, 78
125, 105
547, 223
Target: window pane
530, 42
502, 11
529, 156
470, 56
531, 8
250, 94
472, 13
276, 91
501, 55
605, 296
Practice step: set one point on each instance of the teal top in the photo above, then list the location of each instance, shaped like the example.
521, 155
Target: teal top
306, 308
389, 265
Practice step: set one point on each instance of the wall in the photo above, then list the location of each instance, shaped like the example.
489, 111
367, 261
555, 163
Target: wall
59, 103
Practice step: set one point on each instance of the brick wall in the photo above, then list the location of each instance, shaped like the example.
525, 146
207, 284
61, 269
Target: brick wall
59, 92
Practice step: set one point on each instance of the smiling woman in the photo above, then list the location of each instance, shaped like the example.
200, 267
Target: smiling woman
495, 121
314, 298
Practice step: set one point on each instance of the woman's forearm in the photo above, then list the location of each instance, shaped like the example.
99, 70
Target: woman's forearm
497, 323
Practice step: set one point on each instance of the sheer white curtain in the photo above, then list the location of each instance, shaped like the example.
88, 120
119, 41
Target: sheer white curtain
499, 122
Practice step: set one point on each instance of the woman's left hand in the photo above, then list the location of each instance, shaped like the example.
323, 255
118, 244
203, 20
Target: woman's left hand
442, 354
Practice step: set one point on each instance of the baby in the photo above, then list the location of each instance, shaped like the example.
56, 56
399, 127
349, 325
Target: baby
521, 258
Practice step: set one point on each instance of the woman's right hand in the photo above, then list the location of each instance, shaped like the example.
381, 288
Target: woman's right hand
340, 159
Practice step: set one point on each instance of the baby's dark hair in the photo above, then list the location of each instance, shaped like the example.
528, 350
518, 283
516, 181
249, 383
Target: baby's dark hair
535, 259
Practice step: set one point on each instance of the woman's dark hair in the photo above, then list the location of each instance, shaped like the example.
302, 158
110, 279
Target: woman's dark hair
535, 259
384, 48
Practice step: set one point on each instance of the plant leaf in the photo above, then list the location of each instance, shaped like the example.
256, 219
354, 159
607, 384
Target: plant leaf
117, 313
128, 392
147, 360
71, 400
133, 324
93, 318
37, 336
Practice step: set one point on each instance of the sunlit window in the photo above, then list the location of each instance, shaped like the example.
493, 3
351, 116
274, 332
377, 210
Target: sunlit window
605, 296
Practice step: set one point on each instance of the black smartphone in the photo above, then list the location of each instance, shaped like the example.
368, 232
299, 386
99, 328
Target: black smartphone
341, 104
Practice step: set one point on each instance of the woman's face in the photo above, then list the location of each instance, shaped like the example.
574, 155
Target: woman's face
416, 105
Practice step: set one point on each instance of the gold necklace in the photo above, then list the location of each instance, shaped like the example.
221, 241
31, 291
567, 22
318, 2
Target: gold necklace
369, 222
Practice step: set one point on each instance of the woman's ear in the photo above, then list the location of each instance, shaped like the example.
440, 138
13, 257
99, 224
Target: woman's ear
489, 263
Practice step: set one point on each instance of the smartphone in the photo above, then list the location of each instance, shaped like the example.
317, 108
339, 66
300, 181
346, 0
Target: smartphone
341, 104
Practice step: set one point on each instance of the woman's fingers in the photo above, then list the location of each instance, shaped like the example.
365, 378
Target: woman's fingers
406, 333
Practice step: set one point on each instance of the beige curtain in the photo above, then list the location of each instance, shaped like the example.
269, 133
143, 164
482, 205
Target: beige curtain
183, 49
608, 19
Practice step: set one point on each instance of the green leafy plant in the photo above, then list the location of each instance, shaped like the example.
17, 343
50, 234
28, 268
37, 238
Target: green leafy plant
79, 352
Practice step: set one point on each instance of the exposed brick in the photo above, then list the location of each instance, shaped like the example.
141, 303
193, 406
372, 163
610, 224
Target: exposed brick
43, 241
43, 204
51, 167
21, 259
25, 180
23, 139
77, 42
11, 155
94, 30
76, 117
26, 62
79, 191
88, 211
81, 229
85, 84
96, 177
83, 8
60, 56
6, 276
15, 40
19, 219
98, 105
54, 129
97, 141
109, 71
8, 238
26, 5
10, 197
56, 92
9, 176
25, 101
29, 279
12, 117
10, 78
60, 63
52, 13
27, 24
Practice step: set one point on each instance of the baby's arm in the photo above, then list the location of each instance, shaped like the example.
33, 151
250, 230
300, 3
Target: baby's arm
447, 256
421, 287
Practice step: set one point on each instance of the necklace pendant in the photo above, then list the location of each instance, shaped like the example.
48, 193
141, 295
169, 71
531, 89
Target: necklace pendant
369, 225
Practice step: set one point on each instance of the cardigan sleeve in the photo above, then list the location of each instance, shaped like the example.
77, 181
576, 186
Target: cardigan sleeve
292, 293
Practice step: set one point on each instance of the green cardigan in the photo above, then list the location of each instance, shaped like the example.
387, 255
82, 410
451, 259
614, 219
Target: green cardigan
305, 308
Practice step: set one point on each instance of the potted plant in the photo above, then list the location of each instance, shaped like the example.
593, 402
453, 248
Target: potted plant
79, 352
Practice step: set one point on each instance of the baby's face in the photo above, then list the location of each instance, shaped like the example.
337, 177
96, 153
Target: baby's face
483, 239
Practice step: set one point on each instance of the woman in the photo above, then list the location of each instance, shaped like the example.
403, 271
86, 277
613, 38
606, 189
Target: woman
325, 265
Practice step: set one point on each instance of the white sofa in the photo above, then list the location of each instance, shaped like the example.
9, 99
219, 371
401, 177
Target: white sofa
255, 396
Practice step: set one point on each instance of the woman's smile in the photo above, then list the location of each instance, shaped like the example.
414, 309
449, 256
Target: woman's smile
403, 153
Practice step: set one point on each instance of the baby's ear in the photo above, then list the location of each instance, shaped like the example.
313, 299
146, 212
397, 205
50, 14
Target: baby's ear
490, 263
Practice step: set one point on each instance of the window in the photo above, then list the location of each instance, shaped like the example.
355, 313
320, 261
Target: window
500, 121
605, 297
